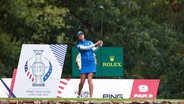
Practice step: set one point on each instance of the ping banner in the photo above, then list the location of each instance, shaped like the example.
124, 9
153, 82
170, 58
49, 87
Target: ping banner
103, 88
39, 70
112, 88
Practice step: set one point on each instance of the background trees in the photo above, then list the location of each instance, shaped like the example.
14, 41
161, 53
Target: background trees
150, 32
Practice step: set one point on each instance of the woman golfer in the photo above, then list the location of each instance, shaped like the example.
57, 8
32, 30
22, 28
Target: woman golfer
88, 66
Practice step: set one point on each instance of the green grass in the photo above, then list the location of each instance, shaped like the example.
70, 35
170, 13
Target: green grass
86, 99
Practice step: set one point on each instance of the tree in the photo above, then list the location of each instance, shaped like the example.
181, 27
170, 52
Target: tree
150, 33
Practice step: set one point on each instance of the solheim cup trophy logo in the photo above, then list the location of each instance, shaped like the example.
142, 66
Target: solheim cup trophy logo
38, 69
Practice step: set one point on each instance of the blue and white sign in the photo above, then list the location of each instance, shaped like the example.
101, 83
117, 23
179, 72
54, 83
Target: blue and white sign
39, 70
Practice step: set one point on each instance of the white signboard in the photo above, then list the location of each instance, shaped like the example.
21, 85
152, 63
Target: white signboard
103, 88
5, 87
106, 88
39, 70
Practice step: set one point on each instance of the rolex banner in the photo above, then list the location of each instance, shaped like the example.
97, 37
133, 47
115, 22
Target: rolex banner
39, 71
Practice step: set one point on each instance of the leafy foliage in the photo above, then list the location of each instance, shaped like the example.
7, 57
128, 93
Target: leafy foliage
150, 32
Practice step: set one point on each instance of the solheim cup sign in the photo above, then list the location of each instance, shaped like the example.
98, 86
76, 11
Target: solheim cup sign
39, 70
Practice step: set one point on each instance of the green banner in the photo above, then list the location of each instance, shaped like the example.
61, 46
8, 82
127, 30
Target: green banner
112, 61
109, 61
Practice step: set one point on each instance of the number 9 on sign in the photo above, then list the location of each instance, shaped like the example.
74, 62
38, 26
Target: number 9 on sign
143, 88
